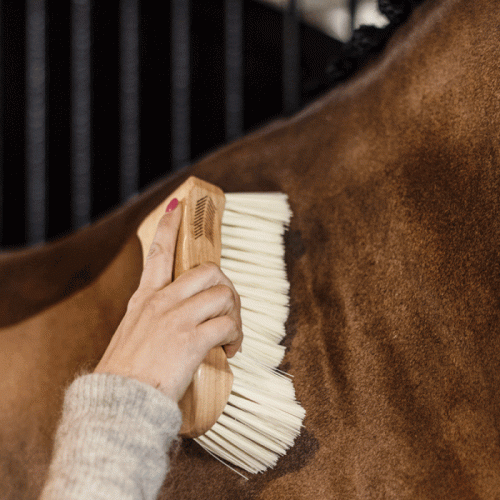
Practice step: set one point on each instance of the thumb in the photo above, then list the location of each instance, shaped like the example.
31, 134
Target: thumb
158, 268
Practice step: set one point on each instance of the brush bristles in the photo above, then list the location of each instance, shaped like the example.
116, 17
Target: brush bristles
262, 417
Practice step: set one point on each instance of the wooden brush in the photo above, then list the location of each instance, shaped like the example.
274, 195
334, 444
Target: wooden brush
241, 410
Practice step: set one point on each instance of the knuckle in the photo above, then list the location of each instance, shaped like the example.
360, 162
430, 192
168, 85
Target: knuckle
228, 294
154, 250
152, 305
212, 269
229, 324
137, 299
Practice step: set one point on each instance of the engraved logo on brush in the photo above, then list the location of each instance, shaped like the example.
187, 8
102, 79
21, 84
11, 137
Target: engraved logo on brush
204, 219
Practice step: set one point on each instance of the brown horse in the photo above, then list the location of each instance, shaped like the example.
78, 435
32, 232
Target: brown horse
394, 262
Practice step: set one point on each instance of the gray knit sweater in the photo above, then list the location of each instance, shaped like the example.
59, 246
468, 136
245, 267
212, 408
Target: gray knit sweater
112, 441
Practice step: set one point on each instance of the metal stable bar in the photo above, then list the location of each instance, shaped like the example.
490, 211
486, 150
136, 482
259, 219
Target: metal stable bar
352, 13
292, 80
81, 193
36, 199
129, 99
233, 69
181, 105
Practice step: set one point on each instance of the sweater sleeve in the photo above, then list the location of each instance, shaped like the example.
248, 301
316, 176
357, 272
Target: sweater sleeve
112, 441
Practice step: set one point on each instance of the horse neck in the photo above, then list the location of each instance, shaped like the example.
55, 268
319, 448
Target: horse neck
433, 88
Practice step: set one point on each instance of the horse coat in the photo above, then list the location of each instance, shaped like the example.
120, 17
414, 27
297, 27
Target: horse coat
393, 256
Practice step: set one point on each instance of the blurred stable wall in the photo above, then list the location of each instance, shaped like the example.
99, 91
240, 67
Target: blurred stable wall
86, 97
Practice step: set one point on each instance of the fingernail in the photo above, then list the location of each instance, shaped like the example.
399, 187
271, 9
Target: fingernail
172, 205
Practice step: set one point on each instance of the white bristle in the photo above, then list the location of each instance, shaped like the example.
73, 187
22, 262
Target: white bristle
261, 294
276, 311
271, 206
263, 247
267, 326
247, 431
265, 427
268, 261
252, 269
270, 354
262, 418
278, 285
234, 219
251, 234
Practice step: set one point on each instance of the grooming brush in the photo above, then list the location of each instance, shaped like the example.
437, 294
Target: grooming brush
241, 410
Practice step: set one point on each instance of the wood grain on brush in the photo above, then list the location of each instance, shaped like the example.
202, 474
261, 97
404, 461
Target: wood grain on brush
199, 241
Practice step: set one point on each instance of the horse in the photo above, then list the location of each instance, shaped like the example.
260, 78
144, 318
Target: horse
393, 256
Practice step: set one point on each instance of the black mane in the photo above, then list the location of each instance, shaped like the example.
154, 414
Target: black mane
365, 42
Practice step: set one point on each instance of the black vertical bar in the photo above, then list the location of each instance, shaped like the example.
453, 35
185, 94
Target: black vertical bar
2, 207
129, 98
35, 122
291, 59
80, 114
181, 106
234, 68
352, 12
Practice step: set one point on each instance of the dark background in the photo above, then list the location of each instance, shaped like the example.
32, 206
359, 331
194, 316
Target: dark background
263, 64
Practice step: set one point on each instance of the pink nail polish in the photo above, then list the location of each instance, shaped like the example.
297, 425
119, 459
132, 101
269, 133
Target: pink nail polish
172, 205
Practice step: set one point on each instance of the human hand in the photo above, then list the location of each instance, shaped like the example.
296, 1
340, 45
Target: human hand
169, 327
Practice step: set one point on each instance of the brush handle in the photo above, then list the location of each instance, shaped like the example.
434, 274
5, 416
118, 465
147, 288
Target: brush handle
199, 241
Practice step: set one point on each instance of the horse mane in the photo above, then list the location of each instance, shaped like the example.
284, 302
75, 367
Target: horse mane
365, 42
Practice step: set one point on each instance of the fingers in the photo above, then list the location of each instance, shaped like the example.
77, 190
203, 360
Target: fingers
157, 271
197, 280
196, 297
205, 299
218, 300
214, 314
222, 331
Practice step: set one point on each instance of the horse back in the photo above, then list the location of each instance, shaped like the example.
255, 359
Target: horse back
393, 259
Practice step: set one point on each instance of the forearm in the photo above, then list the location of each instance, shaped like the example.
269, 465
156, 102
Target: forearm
112, 441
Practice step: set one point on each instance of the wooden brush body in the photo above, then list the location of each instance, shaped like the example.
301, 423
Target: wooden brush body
199, 241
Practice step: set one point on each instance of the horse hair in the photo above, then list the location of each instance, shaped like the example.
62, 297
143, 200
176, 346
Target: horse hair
365, 42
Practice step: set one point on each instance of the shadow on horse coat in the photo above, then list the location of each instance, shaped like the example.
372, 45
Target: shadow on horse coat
394, 263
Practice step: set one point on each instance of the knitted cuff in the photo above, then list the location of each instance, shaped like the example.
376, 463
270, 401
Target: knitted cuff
113, 440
